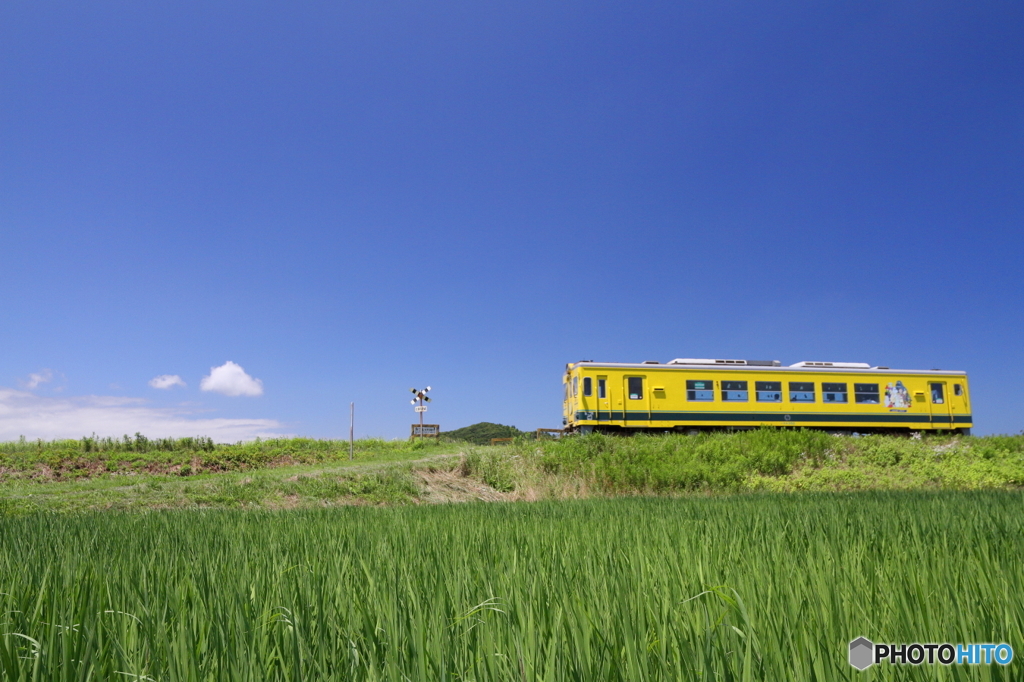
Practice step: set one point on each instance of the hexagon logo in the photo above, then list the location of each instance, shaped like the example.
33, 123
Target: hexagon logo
862, 653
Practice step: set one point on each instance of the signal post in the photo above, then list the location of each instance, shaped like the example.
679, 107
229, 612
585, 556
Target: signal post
423, 430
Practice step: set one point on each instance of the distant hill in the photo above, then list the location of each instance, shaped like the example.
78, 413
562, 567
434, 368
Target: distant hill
482, 433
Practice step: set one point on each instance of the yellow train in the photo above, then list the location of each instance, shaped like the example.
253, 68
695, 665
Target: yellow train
692, 394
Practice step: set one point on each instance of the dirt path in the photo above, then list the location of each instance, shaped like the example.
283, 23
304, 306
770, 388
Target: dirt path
451, 486
449, 460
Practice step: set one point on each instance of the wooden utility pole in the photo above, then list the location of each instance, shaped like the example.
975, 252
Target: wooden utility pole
351, 430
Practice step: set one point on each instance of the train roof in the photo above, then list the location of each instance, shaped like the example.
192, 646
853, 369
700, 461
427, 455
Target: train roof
765, 365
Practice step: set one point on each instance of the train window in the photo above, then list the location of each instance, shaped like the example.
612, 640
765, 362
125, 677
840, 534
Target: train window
958, 389
700, 390
834, 393
575, 386
768, 391
866, 393
601, 389
588, 386
801, 392
937, 396
635, 388
734, 390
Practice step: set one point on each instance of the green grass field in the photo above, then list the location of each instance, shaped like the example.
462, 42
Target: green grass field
748, 556
741, 587
138, 473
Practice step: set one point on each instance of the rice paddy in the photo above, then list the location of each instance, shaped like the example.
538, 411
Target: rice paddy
740, 587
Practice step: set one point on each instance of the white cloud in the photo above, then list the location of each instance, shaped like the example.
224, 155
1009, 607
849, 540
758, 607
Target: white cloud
166, 381
35, 379
26, 414
231, 379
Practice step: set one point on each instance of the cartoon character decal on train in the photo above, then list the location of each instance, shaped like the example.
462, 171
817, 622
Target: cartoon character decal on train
897, 395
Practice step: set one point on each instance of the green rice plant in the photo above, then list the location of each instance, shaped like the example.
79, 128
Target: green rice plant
747, 587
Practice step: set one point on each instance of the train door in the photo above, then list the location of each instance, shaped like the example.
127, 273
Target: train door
958, 398
637, 407
940, 404
566, 418
604, 401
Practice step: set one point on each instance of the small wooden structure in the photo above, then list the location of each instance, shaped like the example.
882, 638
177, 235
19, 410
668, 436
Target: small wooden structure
495, 441
549, 433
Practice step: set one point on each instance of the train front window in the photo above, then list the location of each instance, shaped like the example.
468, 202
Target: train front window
575, 386
700, 390
866, 393
801, 391
601, 391
834, 393
635, 388
768, 391
734, 391
588, 386
937, 396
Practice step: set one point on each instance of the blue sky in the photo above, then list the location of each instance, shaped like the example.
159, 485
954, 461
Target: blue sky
347, 200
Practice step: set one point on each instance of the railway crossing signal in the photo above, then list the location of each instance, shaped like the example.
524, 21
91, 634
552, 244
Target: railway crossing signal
421, 397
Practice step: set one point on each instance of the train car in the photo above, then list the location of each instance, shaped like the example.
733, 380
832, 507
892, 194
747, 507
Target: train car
693, 394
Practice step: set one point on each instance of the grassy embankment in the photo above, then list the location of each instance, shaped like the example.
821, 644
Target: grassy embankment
751, 461
754, 587
140, 473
